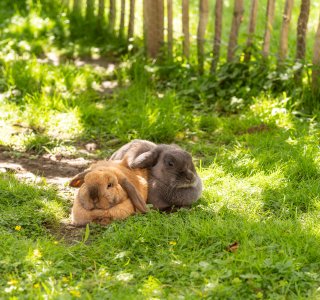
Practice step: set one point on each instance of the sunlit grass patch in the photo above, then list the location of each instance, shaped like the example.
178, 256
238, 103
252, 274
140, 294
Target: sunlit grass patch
26, 210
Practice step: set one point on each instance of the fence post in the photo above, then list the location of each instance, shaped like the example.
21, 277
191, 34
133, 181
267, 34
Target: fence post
203, 21
217, 34
236, 21
185, 27
170, 26
283, 49
267, 33
153, 25
316, 62
131, 19
251, 29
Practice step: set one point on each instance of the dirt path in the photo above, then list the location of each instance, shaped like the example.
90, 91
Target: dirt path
54, 168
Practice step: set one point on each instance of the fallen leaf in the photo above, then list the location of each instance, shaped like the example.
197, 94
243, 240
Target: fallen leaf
233, 247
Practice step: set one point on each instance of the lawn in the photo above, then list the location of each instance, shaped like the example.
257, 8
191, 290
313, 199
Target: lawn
254, 233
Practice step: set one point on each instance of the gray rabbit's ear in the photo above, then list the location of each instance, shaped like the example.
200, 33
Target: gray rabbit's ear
78, 180
134, 195
146, 159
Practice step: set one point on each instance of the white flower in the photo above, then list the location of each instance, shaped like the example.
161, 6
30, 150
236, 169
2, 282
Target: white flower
121, 254
284, 76
271, 75
210, 286
124, 277
10, 289
278, 111
297, 66
24, 45
204, 264
16, 93
236, 102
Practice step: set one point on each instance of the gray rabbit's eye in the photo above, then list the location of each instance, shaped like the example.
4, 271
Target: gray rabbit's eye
170, 163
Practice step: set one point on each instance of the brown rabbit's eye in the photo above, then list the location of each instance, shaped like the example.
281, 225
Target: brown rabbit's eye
109, 185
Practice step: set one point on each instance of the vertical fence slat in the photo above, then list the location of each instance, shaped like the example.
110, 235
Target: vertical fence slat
77, 4
268, 29
301, 35
170, 26
217, 34
131, 19
154, 26
203, 21
236, 21
302, 29
316, 62
101, 10
283, 49
185, 27
112, 14
89, 11
122, 17
251, 28
66, 3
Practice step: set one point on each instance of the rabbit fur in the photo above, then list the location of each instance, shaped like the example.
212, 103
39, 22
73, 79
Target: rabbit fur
109, 191
173, 181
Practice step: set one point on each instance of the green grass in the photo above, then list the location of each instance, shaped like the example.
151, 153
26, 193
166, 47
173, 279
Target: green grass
257, 156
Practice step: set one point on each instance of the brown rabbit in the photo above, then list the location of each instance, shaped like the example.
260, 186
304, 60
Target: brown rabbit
108, 191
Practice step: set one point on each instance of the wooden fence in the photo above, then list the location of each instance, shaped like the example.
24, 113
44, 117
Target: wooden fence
154, 28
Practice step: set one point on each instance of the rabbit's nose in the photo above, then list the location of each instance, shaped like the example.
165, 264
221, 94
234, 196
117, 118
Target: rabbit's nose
190, 176
94, 193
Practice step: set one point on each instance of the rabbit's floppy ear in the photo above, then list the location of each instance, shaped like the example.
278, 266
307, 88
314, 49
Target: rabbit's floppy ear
134, 195
147, 159
78, 180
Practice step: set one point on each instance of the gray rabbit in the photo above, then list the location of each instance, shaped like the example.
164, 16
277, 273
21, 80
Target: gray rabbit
173, 180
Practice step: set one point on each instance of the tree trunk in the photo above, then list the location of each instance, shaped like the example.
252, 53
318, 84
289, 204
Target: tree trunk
316, 62
153, 13
90, 11
283, 50
267, 34
122, 17
101, 15
236, 21
251, 29
112, 15
170, 27
185, 28
203, 21
131, 19
217, 34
